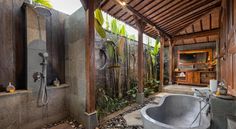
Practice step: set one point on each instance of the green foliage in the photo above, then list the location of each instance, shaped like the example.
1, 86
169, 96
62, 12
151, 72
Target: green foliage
123, 30
98, 22
153, 52
45, 3
106, 104
110, 45
156, 47
151, 86
132, 37
114, 26
99, 29
98, 15
107, 23
133, 89
120, 47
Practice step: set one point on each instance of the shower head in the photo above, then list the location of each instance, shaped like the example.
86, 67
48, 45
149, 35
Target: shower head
43, 11
44, 55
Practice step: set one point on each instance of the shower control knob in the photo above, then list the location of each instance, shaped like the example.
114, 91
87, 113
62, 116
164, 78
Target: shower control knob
37, 76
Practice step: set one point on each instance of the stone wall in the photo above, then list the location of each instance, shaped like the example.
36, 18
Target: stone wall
23, 109
75, 64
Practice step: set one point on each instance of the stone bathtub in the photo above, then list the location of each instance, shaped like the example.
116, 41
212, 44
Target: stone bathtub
176, 112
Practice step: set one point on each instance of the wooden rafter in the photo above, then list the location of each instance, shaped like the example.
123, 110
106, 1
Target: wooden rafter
171, 9
187, 21
146, 20
165, 17
198, 34
209, 13
180, 11
213, 4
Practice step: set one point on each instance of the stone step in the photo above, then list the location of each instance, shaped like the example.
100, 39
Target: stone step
179, 89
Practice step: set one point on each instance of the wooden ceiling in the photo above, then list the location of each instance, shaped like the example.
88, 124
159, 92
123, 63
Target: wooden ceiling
172, 18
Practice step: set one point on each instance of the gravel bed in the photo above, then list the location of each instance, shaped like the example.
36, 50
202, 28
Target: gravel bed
120, 123
74, 124
117, 122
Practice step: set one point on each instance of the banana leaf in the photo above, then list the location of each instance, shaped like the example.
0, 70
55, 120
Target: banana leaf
121, 45
110, 48
156, 48
98, 15
107, 23
99, 29
114, 27
123, 31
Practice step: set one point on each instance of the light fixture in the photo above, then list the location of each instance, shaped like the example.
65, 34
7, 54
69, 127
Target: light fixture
122, 3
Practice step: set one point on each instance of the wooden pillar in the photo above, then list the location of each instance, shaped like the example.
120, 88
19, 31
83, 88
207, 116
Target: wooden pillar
170, 61
162, 42
140, 94
140, 56
90, 57
90, 113
218, 60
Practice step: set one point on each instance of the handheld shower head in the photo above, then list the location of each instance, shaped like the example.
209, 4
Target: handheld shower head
44, 55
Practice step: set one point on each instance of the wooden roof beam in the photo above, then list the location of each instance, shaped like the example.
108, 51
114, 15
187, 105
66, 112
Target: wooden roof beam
140, 16
198, 34
213, 4
182, 28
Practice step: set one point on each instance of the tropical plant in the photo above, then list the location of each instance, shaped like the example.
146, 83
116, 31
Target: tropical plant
45, 3
99, 20
152, 59
123, 30
106, 104
114, 26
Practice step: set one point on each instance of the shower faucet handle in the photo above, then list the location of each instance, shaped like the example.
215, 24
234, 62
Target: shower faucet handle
37, 76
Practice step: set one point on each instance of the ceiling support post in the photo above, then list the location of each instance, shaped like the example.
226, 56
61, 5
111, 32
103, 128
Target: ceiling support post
162, 42
90, 114
170, 62
140, 95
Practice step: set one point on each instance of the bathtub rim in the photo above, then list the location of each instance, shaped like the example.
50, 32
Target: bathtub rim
148, 118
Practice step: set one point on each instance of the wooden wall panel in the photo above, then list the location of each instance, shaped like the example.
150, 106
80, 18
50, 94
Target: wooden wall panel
228, 45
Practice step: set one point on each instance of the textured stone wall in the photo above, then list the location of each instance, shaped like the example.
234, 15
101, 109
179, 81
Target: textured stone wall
75, 63
21, 110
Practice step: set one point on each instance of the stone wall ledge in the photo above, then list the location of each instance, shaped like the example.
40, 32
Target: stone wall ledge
17, 92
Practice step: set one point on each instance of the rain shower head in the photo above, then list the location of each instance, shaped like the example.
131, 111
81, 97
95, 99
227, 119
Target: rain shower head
43, 11
39, 9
